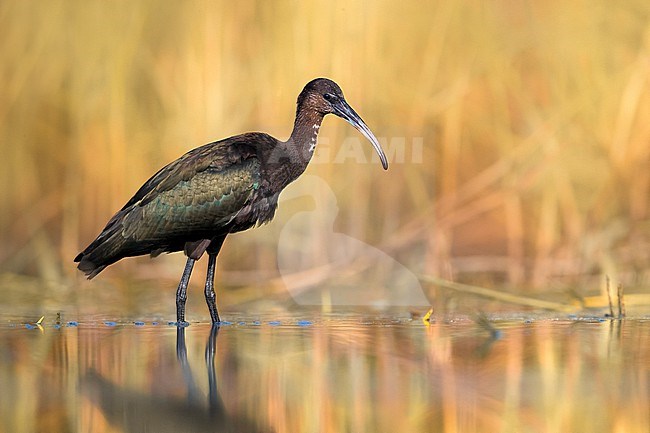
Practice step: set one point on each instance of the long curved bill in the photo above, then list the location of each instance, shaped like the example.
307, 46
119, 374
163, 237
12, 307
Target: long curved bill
343, 110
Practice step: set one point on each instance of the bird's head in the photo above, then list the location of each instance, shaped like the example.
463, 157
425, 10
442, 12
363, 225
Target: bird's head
326, 97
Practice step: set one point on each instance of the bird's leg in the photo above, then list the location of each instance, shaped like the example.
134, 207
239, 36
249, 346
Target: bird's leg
181, 293
210, 296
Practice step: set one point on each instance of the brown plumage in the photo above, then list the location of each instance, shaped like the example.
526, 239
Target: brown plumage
223, 187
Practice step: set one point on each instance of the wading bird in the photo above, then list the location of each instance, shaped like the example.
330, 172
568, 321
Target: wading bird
223, 187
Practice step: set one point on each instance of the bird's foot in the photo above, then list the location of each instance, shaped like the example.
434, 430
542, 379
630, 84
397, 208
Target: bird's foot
180, 324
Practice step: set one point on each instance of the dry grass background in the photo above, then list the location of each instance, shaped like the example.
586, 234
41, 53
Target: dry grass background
534, 119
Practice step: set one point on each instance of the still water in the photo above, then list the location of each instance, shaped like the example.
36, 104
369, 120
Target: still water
313, 372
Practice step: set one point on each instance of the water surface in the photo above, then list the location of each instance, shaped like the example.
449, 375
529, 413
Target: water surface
308, 372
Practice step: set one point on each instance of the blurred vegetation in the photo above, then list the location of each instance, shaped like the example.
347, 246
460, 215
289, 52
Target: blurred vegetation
534, 119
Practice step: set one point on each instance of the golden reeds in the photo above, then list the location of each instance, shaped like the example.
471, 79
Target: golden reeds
533, 119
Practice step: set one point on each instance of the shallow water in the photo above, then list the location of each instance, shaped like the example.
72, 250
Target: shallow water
305, 372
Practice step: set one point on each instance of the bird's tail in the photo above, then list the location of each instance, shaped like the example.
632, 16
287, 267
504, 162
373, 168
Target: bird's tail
107, 249
89, 267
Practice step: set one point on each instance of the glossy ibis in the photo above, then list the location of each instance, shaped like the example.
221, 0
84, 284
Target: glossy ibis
224, 187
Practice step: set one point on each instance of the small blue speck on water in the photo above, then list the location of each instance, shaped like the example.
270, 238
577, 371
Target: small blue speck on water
256, 322
154, 323
138, 323
29, 326
57, 326
225, 323
110, 323
274, 323
72, 323
171, 323
572, 316
497, 334
528, 321
241, 323
304, 323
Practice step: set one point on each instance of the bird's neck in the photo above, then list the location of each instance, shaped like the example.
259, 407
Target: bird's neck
287, 160
302, 142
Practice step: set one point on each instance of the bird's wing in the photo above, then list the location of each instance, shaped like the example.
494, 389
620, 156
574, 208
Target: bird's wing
197, 194
196, 207
214, 156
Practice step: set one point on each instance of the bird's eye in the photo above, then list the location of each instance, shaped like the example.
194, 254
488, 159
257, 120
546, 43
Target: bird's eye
329, 97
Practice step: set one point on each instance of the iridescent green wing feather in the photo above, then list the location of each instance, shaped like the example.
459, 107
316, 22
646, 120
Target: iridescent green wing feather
203, 203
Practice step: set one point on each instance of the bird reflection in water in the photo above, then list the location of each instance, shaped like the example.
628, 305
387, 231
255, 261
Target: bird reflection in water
134, 411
